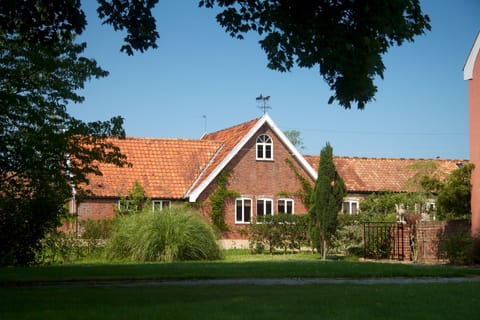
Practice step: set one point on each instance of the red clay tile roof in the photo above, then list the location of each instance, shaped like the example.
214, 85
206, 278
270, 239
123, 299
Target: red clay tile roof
229, 138
164, 167
169, 168
382, 174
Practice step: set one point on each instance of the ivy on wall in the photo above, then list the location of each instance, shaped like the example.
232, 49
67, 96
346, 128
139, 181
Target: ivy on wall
217, 200
306, 190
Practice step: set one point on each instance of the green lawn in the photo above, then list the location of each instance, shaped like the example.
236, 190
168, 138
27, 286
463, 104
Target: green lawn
244, 301
261, 266
413, 301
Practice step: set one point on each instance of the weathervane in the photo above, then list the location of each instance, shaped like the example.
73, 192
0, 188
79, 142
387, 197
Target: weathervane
264, 105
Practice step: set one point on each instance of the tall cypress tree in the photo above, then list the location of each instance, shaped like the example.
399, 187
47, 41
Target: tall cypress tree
327, 198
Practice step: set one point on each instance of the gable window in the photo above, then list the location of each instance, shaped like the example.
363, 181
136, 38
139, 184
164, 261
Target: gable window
159, 205
350, 207
285, 205
264, 208
264, 147
243, 210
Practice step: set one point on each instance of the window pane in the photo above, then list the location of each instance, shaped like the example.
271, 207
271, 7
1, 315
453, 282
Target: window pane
239, 208
260, 206
354, 208
289, 206
260, 151
268, 152
157, 206
268, 207
248, 209
346, 208
281, 206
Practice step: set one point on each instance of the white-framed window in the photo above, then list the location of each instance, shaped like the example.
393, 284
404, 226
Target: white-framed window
124, 206
286, 205
264, 147
243, 210
159, 205
350, 207
264, 208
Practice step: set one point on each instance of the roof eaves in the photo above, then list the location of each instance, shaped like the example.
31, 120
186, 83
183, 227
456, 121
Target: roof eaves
195, 193
292, 148
472, 57
200, 176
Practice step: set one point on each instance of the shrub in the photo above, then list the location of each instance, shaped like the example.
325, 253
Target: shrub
280, 231
348, 240
60, 247
96, 229
461, 248
172, 235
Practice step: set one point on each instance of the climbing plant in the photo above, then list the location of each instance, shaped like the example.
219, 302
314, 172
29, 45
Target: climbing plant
217, 200
306, 190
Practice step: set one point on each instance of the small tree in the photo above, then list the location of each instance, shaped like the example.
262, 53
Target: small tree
134, 202
327, 198
453, 200
295, 139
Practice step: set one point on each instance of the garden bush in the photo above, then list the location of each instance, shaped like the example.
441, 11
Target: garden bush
461, 248
170, 235
96, 229
60, 247
278, 232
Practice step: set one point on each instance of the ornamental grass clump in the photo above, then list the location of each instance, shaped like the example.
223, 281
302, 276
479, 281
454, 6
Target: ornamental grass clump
170, 235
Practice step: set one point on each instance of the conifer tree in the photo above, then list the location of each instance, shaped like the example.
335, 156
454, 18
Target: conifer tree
327, 198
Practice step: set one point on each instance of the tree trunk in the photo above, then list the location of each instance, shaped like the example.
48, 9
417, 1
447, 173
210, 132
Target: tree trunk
324, 249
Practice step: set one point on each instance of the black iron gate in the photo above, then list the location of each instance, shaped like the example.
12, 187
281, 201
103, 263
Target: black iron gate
384, 240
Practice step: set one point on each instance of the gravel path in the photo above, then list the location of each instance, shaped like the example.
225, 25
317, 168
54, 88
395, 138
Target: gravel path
246, 281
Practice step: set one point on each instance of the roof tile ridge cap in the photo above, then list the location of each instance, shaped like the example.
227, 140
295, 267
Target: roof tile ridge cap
159, 138
232, 127
207, 166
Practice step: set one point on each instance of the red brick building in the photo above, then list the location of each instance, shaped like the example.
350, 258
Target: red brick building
471, 72
262, 167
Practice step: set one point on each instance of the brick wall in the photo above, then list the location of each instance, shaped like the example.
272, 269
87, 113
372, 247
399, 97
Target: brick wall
96, 209
429, 235
256, 179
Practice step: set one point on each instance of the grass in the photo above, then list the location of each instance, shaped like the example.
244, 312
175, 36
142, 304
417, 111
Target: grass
242, 301
237, 264
412, 301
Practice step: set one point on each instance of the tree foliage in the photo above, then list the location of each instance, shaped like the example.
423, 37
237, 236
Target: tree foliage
327, 198
453, 200
134, 202
44, 151
295, 138
49, 22
345, 39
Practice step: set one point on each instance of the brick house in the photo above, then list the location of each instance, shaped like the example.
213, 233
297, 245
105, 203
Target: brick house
471, 72
261, 165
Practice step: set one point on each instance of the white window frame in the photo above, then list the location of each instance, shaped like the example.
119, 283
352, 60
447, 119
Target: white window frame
265, 201
163, 204
350, 203
242, 220
126, 206
285, 201
264, 141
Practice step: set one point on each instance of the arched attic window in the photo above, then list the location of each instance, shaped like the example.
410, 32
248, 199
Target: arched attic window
264, 147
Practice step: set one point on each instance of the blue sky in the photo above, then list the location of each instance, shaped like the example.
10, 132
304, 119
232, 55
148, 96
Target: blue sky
420, 111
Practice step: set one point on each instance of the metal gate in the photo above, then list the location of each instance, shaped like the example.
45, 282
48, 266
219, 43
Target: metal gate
384, 240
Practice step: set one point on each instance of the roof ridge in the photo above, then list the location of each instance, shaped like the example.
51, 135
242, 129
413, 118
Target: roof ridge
390, 158
160, 138
231, 127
